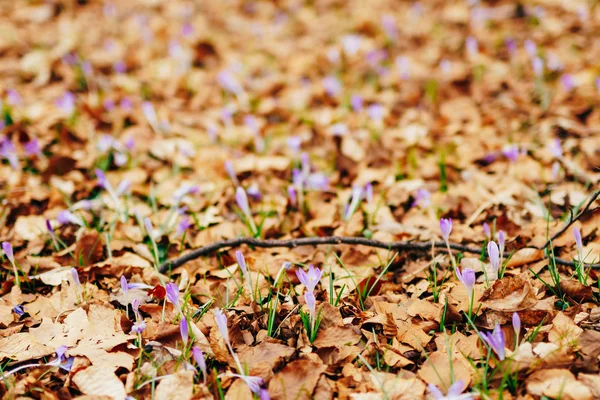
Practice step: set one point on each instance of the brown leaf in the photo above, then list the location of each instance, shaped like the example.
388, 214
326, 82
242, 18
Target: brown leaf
178, 386
557, 383
524, 256
337, 336
268, 352
564, 331
296, 380
589, 341
99, 381
438, 370
513, 293
576, 290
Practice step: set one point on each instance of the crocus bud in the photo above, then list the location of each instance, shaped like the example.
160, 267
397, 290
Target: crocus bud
221, 320
446, 228
184, 330
8, 251
172, 294
494, 255
578, 241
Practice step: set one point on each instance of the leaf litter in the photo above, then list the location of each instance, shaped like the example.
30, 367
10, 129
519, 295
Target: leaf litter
134, 132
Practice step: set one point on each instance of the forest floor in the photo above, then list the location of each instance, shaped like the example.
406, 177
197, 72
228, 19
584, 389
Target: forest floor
411, 191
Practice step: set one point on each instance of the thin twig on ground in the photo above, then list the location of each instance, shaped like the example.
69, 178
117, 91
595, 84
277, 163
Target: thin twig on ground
326, 240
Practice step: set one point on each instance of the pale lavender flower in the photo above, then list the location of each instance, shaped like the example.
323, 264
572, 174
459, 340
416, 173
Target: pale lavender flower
18, 310
75, 276
242, 201
445, 66
183, 225
254, 192
123, 188
294, 143
446, 228
32, 148
511, 46
8, 151
172, 294
422, 198
369, 192
578, 241
229, 82
200, 361
351, 44
264, 394
126, 104
467, 278
516, 322
376, 112
187, 30
184, 330
67, 217
501, 242
486, 231
102, 181
471, 46
62, 361
403, 66
512, 153
318, 181
555, 148
138, 327
231, 172
597, 83
530, 48
455, 392
151, 116
356, 102
12, 97
339, 129
124, 286
109, 105
538, 66
389, 27
8, 251
241, 261
494, 255
221, 320
184, 190
135, 306
567, 81
293, 195
310, 279
496, 341
332, 86
120, 67
253, 382
66, 103
86, 68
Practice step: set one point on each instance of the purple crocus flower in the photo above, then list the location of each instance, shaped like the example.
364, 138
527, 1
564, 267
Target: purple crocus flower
516, 322
187, 30
231, 172
264, 394
62, 361
135, 306
253, 382
310, 279
494, 255
578, 241
501, 242
555, 148
66, 103
403, 67
8, 151
351, 44
8, 251
352, 205
486, 231
120, 67
12, 97
422, 198
496, 341
148, 227
126, 104
568, 82
389, 27
124, 286
254, 192
455, 392
471, 46
241, 261
356, 102
511, 46
229, 82
200, 361
339, 129
597, 83
375, 112
75, 276
512, 153
446, 228
108, 104
311, 303
183, 225
369, 192
332, 86
138, 327
530, 48
67, 217
293, 195
317, 181
221, 320
294, 143
467, 278
172, 294
18, 310
184, 330
32, 148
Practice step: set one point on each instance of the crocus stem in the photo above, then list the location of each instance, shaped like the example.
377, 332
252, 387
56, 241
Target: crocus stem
16, 272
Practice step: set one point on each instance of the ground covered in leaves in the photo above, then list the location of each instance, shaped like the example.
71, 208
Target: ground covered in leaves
135, 131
